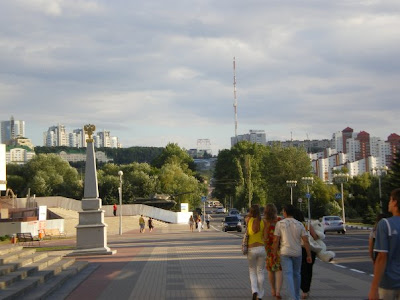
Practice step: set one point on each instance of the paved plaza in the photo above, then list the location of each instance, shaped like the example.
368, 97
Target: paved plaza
173, 263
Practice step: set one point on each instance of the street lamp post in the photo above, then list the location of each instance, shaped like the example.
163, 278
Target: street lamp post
291, 184
341, 178
308, 181
380, 171
120, 173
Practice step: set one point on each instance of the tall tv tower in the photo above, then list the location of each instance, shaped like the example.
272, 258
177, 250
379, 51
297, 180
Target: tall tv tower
234, 96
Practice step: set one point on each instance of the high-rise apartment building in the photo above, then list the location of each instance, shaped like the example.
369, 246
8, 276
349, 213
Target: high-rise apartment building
254, 136
11, 130
56, 136
78, 138
358, 152
104, 139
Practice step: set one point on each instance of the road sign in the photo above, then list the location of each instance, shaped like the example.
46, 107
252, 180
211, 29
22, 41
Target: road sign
338, 196
203, 198
300, 200
308, 195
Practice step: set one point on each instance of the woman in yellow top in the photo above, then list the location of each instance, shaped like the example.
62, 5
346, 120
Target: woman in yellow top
257, 231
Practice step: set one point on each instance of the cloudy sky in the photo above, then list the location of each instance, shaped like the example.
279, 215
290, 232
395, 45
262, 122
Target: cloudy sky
161, 71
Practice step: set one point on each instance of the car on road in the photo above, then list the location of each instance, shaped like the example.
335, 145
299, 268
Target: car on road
220, 210
234, 212
333, 223
231, 223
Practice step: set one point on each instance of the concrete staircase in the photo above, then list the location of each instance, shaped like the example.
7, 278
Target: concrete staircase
27, 274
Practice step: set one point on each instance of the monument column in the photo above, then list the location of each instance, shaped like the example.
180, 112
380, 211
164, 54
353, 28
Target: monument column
91, 232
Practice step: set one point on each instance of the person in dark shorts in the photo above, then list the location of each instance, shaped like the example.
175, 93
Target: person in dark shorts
150, 223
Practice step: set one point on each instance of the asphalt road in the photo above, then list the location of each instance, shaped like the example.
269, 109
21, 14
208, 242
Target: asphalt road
351, 248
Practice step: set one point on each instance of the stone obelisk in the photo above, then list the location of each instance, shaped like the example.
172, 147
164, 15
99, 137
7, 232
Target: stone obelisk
91, 232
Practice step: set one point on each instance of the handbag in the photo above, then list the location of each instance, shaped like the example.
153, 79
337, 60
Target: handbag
245, 243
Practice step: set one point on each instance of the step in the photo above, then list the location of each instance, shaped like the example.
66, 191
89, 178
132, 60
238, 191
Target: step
25, 269
53, 276
14, 255
4, 249
56, 282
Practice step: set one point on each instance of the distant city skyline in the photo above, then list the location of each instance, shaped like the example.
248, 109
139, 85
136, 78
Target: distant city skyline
250, 135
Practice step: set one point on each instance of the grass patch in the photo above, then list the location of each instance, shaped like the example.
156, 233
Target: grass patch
54, 248
359, 224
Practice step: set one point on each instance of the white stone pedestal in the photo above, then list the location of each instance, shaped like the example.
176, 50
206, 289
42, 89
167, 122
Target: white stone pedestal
91, 232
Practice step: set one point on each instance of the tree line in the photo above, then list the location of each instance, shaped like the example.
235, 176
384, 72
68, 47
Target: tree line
245, 174
171, 171
251, 173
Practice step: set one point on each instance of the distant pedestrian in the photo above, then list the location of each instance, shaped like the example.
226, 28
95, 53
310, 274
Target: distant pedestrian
196, 219
386, 282
115, 209
273, 262
288, 236
199, 223
257, 230
142, 224
208, 219
191, 223
150, 223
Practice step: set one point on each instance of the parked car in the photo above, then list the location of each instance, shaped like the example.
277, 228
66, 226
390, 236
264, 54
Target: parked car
231, 223
333, 223
220, 210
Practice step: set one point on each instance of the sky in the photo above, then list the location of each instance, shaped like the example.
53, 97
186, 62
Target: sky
161, 71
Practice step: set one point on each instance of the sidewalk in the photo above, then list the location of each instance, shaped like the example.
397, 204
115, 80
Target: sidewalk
173, 263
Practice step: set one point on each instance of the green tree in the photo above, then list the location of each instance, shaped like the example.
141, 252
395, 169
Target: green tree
50, 175
392, 181
174, 154
259, 173
174, 181
282, 164
16, 179
226, 176
139, 181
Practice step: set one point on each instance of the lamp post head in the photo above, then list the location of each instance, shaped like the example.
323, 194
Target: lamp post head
308, 180
340, 178
291, 183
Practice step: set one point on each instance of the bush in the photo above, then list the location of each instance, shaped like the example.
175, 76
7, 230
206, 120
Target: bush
5, 238
371, 214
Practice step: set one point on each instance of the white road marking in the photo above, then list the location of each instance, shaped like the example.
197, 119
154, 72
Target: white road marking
340, 266
358, 271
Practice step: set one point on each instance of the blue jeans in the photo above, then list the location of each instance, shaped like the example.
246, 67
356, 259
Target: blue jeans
291, 266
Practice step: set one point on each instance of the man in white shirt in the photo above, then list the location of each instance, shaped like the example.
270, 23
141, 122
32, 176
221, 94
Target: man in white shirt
288, 234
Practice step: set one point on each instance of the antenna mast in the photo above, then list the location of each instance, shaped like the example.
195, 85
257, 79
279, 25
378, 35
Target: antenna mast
234, 96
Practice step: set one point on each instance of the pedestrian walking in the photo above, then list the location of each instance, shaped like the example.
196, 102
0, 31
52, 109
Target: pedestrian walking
196, 220
288, 236
115, 209
386, 282
142, 224
208, 219
273, 262
150, 223
306, 268
257, 231
199, 223
191, 223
